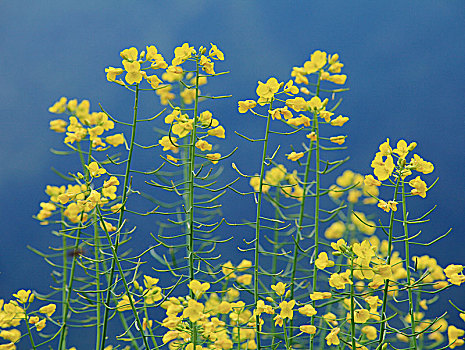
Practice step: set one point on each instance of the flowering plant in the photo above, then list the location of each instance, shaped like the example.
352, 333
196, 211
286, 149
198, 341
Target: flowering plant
317, 271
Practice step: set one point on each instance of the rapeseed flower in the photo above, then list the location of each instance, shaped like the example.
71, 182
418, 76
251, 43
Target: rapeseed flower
332, 338
323, 262
267, 90
244, 106
419, 187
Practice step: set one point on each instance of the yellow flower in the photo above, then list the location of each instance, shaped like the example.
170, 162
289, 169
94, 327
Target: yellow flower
129, 54
278, 112
12, 335
453, 334
322, 262
95, 170
59, 106
124, 304
307, 310
41, 324
402, 148
268, 89
290, 88
338, 139
169, 144
218, 132
207, 65
23, 296
371, 181
320, 295
198, 288
193, 311
419, 187
154, 81
452, 270
312, 136
48, 309
182, 53
390, 205
331, 338
203, 145
361, 315
213, 157
336, 230
297, 104
245, 279
215, 53
228, 270
315, 104
339, 121
112, 73
58, 125
134, 74
279, 288
339, 280
370, 332
309, 329
295, 156
339, 79
286, 309
317, 61
362, 223
115, 140
244, 106
244, 265
149, 282
421, 165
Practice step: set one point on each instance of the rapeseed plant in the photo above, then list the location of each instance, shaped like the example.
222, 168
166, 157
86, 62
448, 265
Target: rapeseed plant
318, 277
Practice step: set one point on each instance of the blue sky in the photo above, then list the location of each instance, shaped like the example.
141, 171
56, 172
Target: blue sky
405, 63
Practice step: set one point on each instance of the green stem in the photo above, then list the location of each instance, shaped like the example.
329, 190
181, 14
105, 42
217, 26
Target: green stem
413, 339
352, 304
120, 221
317, 212
257, 224
69, 289
31, 339
382, 331
97, 281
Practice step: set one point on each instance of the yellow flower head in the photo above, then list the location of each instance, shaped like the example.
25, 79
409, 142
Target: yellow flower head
309, 329
339, 121
244, 106
129, 54
48, 309
323, 262
279, 288
317, 61
453, 334
218, 132
198, 288
23, 296
193, 311
286, 309
295, 156
213, 157
419, 187
182, 53
421, 165
268, 89
215, 53
115, 140
307, 310
203, 145
332, 338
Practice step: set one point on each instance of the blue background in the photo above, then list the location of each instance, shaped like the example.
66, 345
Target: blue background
405, 63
